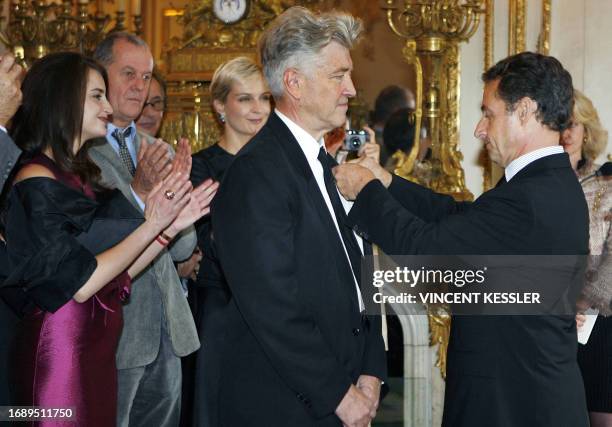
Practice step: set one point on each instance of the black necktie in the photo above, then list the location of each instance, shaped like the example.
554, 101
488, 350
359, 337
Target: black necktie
124, 153
350, 242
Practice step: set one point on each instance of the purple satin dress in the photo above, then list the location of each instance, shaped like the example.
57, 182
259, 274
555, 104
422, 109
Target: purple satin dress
66, 359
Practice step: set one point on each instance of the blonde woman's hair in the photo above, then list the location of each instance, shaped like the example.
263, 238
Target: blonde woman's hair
228, 73
595, 136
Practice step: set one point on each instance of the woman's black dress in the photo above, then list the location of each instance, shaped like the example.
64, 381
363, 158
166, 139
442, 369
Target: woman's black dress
211, 292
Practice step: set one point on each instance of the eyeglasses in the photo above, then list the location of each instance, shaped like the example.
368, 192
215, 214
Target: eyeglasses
158, 104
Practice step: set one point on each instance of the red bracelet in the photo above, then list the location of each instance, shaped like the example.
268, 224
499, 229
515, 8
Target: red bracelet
161, 241
165, 237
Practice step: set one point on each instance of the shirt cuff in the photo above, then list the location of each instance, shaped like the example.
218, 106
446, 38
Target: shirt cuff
140, 202
3, 128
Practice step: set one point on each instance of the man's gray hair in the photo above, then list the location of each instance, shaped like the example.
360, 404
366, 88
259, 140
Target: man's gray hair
104, 50
297, 36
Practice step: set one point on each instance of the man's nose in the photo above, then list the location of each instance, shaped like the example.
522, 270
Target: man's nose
349, 88
139, 84
480, 131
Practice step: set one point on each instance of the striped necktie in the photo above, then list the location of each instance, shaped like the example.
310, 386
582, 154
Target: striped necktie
120, 136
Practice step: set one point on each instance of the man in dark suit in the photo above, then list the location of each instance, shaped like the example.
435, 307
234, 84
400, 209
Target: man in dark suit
503, 371
10, 99
297, 350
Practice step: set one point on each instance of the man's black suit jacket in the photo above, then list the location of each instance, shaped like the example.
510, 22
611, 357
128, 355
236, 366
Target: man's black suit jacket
294, 339
503, 371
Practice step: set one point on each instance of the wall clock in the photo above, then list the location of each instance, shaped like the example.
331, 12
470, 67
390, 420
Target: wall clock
230, 11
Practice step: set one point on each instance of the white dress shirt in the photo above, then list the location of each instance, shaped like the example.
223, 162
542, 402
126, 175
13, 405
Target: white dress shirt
521, 162
311, 147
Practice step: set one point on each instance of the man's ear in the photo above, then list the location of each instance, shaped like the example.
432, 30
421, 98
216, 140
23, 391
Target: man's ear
526, 109
294, 82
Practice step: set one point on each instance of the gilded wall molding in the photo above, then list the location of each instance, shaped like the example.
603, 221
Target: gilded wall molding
516, 27
489, 37
406, 161
452, 179
544, 37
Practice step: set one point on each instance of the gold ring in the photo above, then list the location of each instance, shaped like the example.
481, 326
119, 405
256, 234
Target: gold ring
169, 194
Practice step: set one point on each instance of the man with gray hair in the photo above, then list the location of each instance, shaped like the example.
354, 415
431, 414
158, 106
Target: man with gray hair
158, 327
299, 349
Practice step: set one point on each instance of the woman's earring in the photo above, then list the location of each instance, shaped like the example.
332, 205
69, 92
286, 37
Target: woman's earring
222, 117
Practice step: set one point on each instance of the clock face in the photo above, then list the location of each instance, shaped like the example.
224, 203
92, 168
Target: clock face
230, 11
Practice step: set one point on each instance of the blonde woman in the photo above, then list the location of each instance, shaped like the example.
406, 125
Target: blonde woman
584, 141
241, 101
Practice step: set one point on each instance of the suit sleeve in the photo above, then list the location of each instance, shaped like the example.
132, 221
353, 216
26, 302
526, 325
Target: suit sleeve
598, 287
380, 218
253, 223
183, 245
421, 201
9, 153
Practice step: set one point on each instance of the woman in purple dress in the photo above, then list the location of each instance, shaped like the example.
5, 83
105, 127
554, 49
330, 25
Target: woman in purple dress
74, 246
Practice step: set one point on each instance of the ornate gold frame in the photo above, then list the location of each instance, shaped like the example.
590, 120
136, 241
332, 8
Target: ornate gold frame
489, 37
516, 26
544, 36
191, 60
434, 30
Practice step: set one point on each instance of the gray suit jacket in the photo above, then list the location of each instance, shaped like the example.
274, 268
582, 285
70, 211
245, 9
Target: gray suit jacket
157, 287
9, 153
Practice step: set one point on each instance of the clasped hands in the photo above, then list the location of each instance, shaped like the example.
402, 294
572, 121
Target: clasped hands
359, 405
158, 177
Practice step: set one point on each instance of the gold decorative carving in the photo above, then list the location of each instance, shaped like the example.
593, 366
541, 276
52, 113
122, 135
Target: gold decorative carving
452, 178
433, 30
439, 331
489, 34
436, 27
485, 160
210, 42
189, 114
544, 37
406, 162
517, 22
191, 60
36, 28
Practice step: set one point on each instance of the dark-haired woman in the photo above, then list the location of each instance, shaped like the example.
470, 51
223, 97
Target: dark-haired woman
74, 245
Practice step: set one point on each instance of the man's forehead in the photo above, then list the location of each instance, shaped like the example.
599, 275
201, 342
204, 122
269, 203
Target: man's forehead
129, 54
336, 58
489, 93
